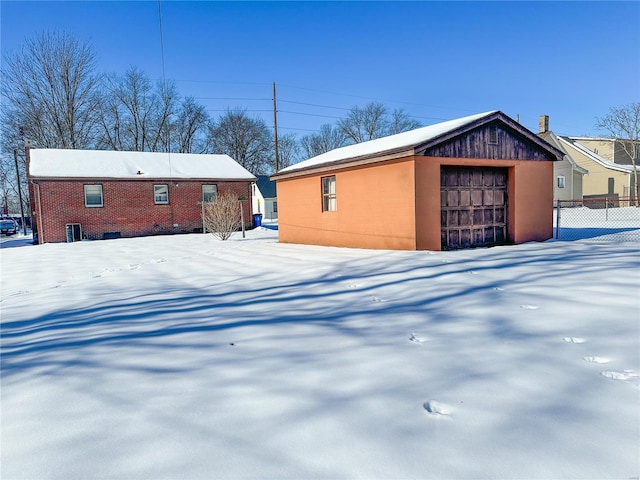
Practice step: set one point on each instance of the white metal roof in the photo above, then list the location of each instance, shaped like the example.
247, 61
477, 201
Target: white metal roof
384, 144
553, 139
47, 162
567, 141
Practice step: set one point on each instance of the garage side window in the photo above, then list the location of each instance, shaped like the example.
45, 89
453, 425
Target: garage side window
329, 203
209, 193
161, 194
560, 181
93, 196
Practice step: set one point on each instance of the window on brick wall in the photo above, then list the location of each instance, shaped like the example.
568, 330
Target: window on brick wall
161, 194
93, 196
209, 192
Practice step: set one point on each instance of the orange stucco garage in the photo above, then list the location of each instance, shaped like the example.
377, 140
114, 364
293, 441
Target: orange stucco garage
478, 181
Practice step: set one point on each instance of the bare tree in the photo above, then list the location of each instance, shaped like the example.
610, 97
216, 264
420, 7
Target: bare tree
363, 124
9, 184
222, 215
5, 175
190, 127
623, 124
288, 150
401, 122
134, 115
327, 139
247, 140
374, 121
51, 91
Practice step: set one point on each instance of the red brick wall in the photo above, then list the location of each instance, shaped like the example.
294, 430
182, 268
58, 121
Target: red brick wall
129, 207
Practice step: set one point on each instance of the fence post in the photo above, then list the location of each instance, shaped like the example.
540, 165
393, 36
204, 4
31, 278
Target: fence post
557, 219
606, 209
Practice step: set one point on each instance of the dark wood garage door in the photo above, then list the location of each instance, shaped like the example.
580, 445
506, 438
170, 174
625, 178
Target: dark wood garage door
474, 207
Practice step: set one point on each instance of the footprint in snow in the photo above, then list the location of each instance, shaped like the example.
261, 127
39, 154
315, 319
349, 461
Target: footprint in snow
437, 408
597, 359
354, 285
19, 292
529, 307
574, 340
471, 272
377, 299
624, 375
498, 289
417, 339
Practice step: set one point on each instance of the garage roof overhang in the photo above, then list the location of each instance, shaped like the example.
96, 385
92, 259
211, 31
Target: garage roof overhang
421, 147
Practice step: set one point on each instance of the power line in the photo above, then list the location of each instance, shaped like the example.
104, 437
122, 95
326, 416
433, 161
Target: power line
314, 105
370, 98
308, 114
226, 82
300, 129
222, 82
232, 98
306, 104
244, 110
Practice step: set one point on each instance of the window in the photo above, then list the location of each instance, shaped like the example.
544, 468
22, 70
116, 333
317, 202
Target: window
329, 194
275, 206
161, 194
493, 135
93, 196
560, 181
209, 192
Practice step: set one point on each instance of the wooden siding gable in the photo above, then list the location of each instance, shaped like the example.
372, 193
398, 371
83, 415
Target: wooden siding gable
494, 137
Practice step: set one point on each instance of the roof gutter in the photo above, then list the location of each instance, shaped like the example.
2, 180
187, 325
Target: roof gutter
138, 179
346, 163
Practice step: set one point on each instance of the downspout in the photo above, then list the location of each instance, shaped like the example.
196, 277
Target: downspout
573, 193
39, 222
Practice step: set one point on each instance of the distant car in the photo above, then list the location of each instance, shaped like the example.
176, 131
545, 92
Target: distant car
8, 227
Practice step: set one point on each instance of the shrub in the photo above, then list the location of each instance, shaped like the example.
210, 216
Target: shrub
222, 216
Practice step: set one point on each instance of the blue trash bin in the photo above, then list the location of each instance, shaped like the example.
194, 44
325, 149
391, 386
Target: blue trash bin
257, 220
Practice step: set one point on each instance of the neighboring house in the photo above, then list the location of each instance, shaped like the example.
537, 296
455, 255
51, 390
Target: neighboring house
608, 148
605, 178
264, 197
568, 175
99, 194
476, 181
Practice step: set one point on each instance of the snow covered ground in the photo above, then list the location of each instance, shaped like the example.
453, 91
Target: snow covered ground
183, 357
600, 224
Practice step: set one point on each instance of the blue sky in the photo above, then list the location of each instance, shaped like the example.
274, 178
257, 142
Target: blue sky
437, 60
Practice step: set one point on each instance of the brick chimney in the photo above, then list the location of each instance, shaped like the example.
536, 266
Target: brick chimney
543, 124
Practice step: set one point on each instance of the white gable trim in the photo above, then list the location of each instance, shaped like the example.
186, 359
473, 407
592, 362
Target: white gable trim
595, 157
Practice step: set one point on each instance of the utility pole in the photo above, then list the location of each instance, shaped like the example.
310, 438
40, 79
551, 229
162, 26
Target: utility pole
275, 125
15, 159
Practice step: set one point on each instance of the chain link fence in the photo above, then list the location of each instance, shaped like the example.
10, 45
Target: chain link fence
607, 219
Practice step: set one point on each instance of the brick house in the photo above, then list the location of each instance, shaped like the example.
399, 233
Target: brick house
475, 181
98, 194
